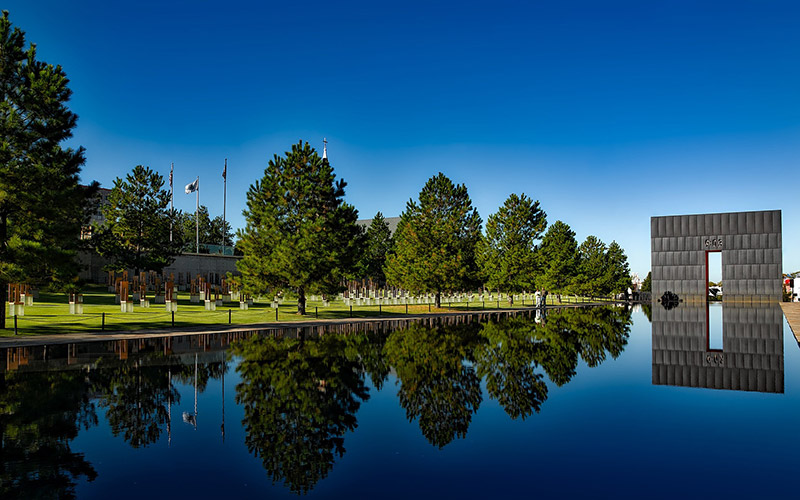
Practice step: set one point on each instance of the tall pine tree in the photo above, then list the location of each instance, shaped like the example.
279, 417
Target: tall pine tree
136, 231
300, 234
591, 267
378, 243
507, 253
435, 241
618, 273
558, 258
210, 230
42, 206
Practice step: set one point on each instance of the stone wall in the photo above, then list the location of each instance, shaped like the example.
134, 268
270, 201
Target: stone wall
211, 266
750, 243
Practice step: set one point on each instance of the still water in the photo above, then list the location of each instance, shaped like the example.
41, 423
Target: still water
600, 402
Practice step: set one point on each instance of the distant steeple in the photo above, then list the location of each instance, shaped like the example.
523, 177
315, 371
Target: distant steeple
325, 148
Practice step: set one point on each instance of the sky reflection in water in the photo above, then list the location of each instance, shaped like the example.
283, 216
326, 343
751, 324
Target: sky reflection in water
583, 403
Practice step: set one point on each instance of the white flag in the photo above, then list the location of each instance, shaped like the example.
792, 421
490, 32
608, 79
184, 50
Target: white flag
192, 187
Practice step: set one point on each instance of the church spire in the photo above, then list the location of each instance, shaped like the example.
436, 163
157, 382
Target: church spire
325, 148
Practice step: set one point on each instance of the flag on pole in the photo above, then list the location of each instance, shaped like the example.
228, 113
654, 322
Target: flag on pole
170, 176
225, 170
193, 186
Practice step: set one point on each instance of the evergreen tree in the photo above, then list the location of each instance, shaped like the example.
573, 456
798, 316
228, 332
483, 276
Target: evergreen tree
42, 207
218, 228
507, 253
591, 267
558, 258
192, 231
136, 231
647, 284
435, 241
300, 234
618, 273
378, 243
210, 230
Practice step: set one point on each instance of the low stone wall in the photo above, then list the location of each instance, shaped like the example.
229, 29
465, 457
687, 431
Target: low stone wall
211, 266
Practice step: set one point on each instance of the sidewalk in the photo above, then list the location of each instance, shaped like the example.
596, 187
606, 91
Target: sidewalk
791, 310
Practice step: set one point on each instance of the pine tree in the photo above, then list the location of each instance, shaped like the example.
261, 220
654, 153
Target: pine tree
435, 241
42, 206
558, 258
192, 231
300, 234
591, 267
217, 230
647, 284
210, 230
618, 273
378, 243
507, 253
136, 231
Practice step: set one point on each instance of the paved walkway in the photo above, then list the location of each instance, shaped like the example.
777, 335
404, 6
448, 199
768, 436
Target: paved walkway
792, 312
70, 338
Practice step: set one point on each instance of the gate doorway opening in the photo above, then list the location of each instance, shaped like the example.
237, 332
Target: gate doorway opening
714, 295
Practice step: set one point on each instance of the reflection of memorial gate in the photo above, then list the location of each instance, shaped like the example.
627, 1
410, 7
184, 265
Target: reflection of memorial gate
751, 358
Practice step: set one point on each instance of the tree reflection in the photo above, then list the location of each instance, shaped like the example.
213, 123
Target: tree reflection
586, 332
40, 414
136, 398
300, 398
602, 330
368, 348
647, 308
506, 360
436, 385
137, 394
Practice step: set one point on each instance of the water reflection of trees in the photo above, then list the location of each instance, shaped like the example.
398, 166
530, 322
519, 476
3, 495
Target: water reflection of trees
300, 398
439, 369
506, 360
136, 400
438, 385
587, 333
40, 414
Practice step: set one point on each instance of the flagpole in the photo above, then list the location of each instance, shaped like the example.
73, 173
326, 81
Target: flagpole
197, 217
169, 407
171, 199
224, 200
224, 367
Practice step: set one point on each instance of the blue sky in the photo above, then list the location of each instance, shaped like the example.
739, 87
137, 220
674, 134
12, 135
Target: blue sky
607, 112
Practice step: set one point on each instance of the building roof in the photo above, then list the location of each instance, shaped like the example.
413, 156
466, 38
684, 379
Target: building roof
390, 221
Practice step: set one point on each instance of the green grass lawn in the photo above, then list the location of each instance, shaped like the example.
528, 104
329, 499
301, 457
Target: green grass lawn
50, 313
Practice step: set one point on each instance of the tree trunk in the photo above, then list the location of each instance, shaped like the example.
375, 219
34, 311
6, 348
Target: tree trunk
438, 299
301, 301
510, 300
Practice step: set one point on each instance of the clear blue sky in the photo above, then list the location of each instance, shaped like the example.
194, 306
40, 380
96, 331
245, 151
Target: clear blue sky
607, 112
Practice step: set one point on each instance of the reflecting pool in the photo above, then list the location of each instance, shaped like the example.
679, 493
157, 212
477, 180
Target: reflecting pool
591, 402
